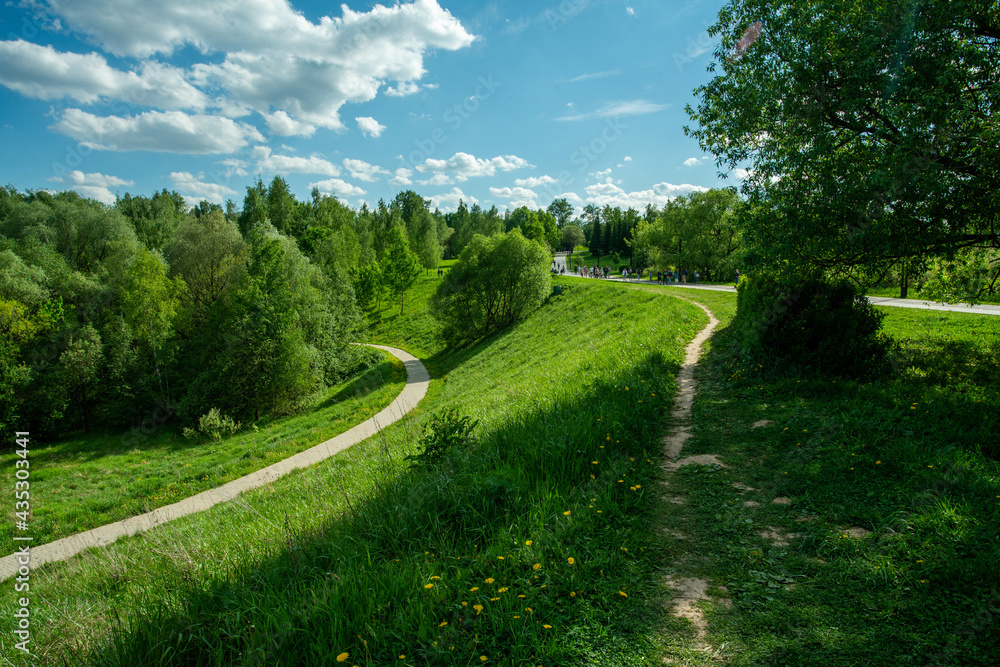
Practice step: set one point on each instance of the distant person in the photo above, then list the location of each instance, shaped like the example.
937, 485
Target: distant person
737, 280
684, 275
696, 276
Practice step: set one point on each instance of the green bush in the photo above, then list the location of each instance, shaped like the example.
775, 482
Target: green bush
809, 324
445, 432
214, 425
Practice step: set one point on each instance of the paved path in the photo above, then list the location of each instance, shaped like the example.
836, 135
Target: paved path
417, 380
980, 309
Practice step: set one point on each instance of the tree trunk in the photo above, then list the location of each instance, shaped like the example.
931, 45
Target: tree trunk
904, 286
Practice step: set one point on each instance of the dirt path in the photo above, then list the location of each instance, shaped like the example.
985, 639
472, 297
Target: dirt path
417, 381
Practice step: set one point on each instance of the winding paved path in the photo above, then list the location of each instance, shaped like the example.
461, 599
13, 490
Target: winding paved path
417, 380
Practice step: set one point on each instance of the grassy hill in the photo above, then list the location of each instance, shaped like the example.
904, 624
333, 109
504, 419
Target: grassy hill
532, 544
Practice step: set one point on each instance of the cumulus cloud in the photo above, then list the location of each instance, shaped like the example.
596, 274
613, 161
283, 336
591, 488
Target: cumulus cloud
517, 197
291, 164
363, 171
43, 73
463, 166
618, 110
535, 181
402, 177
369, 126
257, 56
449, 202
169, 132
93, 186
692, 162
195, 189
610, 194
337, 187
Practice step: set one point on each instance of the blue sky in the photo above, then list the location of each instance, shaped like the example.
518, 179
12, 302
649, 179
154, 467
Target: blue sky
501, 103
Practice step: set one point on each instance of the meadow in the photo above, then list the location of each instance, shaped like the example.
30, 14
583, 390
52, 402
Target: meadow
546, 540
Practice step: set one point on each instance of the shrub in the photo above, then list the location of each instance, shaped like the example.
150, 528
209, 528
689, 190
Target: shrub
214, 425
445, 432
496, 281
809, 323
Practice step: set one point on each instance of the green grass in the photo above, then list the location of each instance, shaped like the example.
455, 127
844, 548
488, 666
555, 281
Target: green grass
338, 557
94, 479
912, 459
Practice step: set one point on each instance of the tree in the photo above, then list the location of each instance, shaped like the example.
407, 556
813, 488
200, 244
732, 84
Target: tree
867, 131
562, 211
596, 245
571, 237
80, 363
210, 255
496, 281
402, 266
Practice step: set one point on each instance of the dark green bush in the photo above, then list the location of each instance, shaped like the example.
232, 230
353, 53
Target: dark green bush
445, 432
809, 324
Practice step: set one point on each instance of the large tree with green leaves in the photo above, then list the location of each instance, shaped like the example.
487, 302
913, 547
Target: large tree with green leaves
868, 130
496, 281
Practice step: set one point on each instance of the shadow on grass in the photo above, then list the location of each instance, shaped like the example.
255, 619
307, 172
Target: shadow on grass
560, 485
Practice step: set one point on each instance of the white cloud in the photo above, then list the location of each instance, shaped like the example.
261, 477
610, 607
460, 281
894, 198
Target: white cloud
258, 55
43, 73
630, 10
742, 174
291, 164
449, 202
595, 75
618, 109
195, 189
465, 166
628, 158
535, 181
517, 197
169, 132
402, 177
235, 167
369, 126
403, 89
692, 162
363, 171
93, 186
609, 194
335, 186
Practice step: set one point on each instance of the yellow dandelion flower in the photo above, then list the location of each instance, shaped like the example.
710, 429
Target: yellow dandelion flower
527, 543
566, 513
499, 557
435, 578
343, 656
528, 609
547, 626
474, 589
626, 388
489, 580
536, 566
478, 608
570, 560
429, 586
465, 604
483, 658
402, 657
442, 624
503, 590
572, 594
593, 463
494, 599
623, 594
522, 596
878, 463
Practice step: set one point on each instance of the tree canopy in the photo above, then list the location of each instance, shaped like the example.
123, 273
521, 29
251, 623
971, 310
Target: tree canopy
867, 130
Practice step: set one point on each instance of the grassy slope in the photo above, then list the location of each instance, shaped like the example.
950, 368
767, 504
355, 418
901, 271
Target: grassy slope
93, 480
571, 407
913, 459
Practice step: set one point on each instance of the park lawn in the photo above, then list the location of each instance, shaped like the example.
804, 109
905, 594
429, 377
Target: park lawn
883, 546
91, 480
534, 544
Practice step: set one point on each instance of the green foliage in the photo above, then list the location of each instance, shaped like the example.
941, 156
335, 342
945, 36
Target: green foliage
968, 276
571, 237
810, 325
402, 266
496, 282
214, 425
867, 130
446, 432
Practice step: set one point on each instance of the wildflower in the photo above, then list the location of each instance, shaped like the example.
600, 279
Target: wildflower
402, 657
593, 463
626, 388
478, 608
527, 543
571, 560
499, 557
429, 586
528, 609
572, 594
483, 658
489, 581
547, 627
343, 656
442, 624
566, 513
623, 594
494, 599
522, 596
536, 566
435, 578
878, 463
474, 589
503, 590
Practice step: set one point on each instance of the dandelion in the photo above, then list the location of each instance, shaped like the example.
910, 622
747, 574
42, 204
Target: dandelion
429, 586
626, 388
593, 463
503, 590
442, 624
547, 627
435, 578
343, 656
623, 594
566, 513
572, 594
570, 560
536, 566
489, 581
527, 543
528, 609
522, 597
478, 608
494, 599
499, 557
402, 657
878, 463
483, 658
